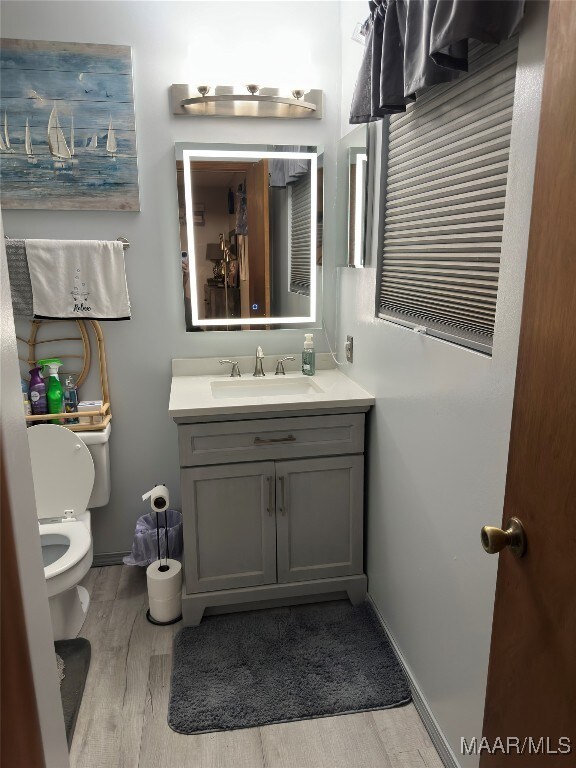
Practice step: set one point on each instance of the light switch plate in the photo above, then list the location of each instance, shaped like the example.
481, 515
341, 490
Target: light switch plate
349, 347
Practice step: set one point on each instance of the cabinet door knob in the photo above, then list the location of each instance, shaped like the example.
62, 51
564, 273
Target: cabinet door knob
282, 496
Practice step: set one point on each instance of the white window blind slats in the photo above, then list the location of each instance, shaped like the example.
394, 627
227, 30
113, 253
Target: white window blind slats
483, 177
473, 163
480, 318
462, 192
300, 226
458, 207
481, 311
445, 199
466, 125
450, 218
459, 143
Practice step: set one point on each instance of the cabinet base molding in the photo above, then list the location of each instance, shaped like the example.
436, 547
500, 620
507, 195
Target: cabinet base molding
271, 596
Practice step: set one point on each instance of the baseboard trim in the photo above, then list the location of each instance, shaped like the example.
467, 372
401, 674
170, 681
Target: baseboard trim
109, 558
438, 739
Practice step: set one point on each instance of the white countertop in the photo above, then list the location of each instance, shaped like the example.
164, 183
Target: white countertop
192, 395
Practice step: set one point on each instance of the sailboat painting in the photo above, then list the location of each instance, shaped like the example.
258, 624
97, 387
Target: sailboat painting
67, 129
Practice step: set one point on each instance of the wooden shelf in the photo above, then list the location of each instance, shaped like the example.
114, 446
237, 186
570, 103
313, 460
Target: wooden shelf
103, 414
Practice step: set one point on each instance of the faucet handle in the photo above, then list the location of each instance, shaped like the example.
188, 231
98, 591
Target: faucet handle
235, 372
280, 365
259, 352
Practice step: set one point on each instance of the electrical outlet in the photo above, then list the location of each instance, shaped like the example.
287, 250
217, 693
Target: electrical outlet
349, 347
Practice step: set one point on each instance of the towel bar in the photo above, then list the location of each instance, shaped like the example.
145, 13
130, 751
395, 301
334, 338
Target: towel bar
121, 239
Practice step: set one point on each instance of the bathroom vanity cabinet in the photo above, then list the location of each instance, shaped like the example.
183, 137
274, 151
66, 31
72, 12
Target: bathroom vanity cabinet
272, 510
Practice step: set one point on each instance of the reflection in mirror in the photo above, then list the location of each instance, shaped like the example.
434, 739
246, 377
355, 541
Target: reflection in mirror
357, 193
250, 231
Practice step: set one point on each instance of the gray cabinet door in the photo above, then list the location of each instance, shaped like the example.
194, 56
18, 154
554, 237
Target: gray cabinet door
229, 526
319, 518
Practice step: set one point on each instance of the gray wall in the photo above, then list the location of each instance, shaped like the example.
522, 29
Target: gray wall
438, 448
283, 42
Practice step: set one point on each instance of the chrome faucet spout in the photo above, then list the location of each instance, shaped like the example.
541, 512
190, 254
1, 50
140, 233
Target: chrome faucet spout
258, 370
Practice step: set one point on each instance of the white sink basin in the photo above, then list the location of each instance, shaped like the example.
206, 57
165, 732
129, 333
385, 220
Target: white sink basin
278, 386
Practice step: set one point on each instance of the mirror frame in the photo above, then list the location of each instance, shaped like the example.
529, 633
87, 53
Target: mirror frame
251, 153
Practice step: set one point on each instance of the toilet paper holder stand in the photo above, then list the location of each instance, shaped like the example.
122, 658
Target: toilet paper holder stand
159, 497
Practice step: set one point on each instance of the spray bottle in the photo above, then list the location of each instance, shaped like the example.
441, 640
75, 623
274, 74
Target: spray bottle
54, 391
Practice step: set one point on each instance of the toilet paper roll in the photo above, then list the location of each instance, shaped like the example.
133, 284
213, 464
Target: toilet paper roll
159, 498
165, 611
164, 590
164, 584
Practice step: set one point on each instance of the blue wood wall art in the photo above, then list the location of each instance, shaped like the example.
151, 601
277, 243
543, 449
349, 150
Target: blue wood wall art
67, 131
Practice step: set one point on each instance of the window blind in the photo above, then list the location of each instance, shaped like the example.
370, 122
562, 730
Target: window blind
300, 256
445, 196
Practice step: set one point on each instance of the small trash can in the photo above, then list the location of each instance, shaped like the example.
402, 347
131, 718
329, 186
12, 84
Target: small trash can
145, 543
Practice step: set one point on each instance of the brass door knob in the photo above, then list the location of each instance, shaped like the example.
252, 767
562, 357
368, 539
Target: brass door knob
495, 539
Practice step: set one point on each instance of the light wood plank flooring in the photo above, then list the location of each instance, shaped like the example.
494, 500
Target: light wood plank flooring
122, 721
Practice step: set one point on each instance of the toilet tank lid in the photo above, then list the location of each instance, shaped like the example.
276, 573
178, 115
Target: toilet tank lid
96, 436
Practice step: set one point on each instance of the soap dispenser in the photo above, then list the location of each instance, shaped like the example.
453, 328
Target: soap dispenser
308, 356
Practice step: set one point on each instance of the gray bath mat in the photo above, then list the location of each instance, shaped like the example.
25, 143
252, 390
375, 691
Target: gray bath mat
249, 669
76, 657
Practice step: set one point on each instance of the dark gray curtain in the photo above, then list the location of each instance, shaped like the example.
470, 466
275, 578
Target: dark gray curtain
414, 44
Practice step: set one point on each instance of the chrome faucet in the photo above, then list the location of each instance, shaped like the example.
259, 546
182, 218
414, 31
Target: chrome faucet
280, 365
258, 370
235, 373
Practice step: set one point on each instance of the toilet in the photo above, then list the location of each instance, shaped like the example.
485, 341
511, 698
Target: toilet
71, 472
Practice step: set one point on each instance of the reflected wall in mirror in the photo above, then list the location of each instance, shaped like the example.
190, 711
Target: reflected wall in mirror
250, 233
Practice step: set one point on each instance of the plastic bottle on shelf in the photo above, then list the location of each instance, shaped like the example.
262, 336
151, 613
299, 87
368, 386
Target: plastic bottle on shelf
70, 399
54, 391
26, 399
37, 392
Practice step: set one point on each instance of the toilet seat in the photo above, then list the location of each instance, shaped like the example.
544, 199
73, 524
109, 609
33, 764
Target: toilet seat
63, 474
62, 469
79, 542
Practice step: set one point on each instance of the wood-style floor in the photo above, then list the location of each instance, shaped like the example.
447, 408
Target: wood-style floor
122, 721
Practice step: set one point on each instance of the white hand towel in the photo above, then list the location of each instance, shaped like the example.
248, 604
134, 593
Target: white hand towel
78, 278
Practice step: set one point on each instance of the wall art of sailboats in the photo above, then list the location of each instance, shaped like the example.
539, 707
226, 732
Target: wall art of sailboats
92, 142
28, 145
73, 157
111, 143
56, 141
5, 140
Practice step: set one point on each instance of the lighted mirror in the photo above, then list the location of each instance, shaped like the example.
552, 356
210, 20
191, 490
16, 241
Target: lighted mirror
250, 234
357, 193
352, 197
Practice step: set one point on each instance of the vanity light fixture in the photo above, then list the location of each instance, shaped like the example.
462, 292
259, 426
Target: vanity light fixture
228, 101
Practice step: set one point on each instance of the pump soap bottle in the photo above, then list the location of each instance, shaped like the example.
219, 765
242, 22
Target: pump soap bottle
308, 356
